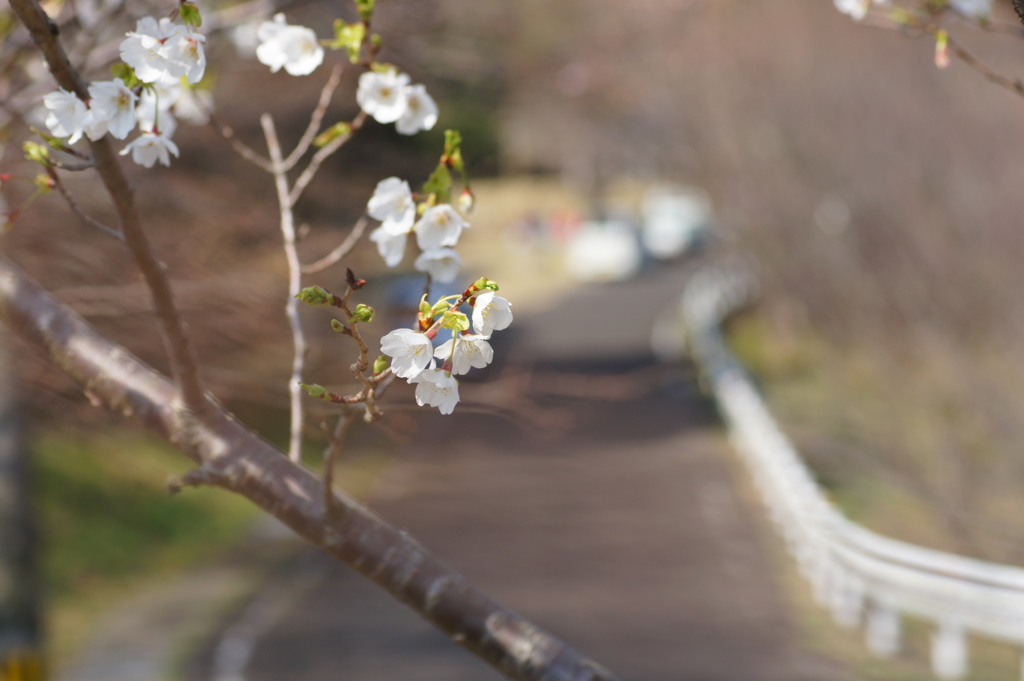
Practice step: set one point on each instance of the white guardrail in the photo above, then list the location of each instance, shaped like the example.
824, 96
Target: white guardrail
865, 579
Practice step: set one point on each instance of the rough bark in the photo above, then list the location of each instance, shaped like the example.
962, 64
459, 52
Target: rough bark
234, 458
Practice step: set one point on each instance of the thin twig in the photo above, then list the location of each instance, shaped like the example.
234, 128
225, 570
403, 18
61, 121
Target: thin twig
341, 251
287, 219
74, 167
316, 118
77, 210
334, 449
243, 149
1014, 85
321, 155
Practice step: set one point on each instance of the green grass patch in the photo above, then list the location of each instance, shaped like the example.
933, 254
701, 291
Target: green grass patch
109, 526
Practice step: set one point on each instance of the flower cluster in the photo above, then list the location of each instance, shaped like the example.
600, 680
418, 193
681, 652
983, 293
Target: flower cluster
295, 48
160, 55
413, 356
389, 98
437, 230
164, 50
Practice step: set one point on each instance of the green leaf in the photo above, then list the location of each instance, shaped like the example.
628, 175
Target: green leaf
485, 284
439, 307
190, 15
452, 142
439, 184
348, 37
366, 9
332, 133
455, 320
425, 310
125, 73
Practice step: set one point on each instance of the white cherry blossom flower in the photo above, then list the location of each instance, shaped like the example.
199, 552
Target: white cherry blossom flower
150, 147
114, 103
470, 350
442, 264
383, 95
186, 55
440, 226
164, 49
437, 388
66, 115
420, 111
295, 48
95, 125
857, 9
390, 246
392, 202
491, 313
410, 352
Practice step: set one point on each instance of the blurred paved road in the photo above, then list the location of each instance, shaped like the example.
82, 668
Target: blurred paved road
616, 526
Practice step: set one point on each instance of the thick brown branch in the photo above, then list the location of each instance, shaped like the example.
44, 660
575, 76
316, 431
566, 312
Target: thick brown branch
239, 460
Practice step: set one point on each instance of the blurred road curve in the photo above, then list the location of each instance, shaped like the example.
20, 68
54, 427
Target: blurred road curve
616, 524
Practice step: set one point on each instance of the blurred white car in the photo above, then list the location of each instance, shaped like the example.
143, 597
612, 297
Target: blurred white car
675, 220
604, 251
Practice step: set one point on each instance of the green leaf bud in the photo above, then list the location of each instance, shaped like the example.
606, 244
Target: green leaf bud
363, 313
466, 200
37, 152
315, 295
380, 365
316, 390
44, 183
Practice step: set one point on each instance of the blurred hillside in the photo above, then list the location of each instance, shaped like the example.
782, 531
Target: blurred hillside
876, 191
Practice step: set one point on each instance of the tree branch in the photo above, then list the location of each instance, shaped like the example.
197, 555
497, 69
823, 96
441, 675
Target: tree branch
240, 461
182, 355
287, 221
316, 118
341, 251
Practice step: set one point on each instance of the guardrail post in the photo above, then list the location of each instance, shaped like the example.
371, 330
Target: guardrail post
949, 651
883, 631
